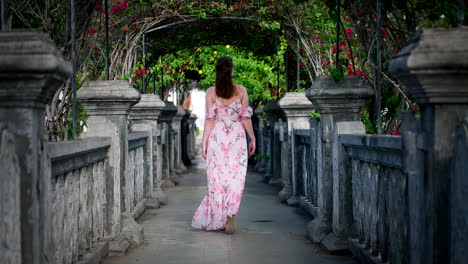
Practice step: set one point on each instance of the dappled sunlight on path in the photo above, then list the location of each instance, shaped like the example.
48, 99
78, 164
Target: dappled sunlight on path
268, 231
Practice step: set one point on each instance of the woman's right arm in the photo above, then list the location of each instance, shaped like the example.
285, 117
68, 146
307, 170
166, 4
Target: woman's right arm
208, 122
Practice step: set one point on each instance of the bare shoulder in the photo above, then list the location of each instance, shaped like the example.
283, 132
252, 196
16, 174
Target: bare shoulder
210, 92
242, 90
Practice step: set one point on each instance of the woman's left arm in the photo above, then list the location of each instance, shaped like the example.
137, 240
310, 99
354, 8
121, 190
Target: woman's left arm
247, 121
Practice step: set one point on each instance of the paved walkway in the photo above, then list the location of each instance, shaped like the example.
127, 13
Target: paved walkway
268, 231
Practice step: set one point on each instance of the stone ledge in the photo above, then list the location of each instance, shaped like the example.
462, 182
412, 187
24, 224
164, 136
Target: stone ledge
72, 155
95, 255
62, 149
334, 245
362, 253
136, 140
308, 207
385, 150
139, 209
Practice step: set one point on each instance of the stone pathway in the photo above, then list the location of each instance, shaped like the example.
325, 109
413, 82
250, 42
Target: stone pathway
268, 231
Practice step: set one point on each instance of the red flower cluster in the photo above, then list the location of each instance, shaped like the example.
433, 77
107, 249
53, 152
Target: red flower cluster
393, 132
141, 71
342, 46
98, 5
357, 72
121, 6
92, 31
348, 32
92, 48
240, 4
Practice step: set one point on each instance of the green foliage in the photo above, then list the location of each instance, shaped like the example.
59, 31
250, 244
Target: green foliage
261, 157
81, 123
337, 73
257, 74
315, 115
368, 124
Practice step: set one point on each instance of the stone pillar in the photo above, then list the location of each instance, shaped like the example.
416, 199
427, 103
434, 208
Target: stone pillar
434, 68
272, 173
193, 135
107, 104
179, 166
145, 118
339, 105
260, 165
31, 71
166, 117
296, 108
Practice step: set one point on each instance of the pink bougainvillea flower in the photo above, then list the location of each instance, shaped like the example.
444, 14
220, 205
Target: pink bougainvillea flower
134, 80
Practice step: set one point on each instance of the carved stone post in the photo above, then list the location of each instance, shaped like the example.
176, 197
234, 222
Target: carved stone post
273, 171
31, 71
434, 68
338, 104
107, 104
297, 109
179, 166
166, 117
145, 118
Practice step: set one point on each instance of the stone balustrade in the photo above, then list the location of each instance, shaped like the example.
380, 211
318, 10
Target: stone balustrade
387, 199
76, 216
76, 201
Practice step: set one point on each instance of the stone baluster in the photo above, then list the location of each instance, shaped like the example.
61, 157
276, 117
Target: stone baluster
434, 68
260, 165
145, 116
339, 105
107, 104
31, 71
193, 136
179, 166
166, 117
272, 173
296, 108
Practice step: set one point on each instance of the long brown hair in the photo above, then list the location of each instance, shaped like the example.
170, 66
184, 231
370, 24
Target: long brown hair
224, 85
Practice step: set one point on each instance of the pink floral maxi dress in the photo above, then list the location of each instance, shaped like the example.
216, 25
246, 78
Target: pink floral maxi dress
226, 165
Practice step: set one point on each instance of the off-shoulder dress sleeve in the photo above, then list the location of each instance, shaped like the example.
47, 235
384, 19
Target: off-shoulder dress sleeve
246, 110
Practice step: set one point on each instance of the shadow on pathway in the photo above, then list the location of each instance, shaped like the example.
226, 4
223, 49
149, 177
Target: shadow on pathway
268, 231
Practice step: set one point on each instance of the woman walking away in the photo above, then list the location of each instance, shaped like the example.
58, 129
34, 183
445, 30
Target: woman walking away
224, 147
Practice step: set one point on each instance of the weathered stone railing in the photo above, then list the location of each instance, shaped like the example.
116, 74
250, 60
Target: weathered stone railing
74, 201
379, 198
304, 167
76, 222
388, 199
139, 185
